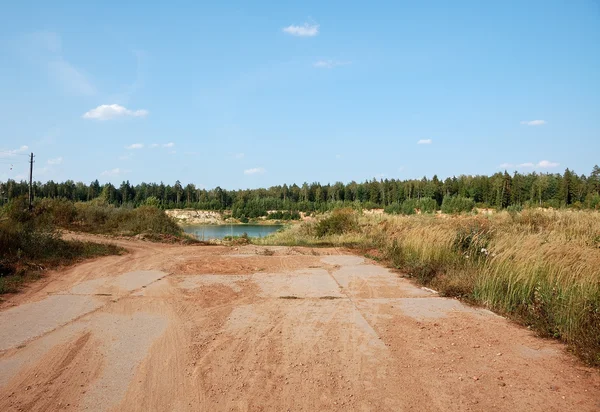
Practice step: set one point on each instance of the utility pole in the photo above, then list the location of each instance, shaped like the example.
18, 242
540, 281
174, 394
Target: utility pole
30, 180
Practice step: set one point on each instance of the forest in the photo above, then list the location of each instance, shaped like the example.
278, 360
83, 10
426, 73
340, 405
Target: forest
455, 194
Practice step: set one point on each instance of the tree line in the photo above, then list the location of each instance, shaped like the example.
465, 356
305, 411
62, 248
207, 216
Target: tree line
500, 190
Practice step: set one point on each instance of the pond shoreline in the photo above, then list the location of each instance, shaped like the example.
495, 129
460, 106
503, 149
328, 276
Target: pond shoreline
208, 217
215, 232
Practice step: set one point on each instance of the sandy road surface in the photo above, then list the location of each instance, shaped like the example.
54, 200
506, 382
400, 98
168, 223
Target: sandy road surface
173, 328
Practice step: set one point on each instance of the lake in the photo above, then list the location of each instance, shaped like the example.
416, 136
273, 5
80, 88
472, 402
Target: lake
206, 232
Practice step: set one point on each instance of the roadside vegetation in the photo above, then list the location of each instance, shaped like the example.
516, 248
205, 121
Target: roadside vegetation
539, 267
30, 244
102, 218
31, 240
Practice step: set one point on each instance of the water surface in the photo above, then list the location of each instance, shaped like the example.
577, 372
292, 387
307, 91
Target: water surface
206, 232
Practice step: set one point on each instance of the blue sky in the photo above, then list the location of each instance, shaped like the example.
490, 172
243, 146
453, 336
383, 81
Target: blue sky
241, 95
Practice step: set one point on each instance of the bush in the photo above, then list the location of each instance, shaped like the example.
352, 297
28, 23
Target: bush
457, 204
100, 217
411, 206
514, 209
339, 222
284, 215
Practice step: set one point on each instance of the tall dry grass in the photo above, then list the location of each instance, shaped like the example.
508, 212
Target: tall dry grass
540, 267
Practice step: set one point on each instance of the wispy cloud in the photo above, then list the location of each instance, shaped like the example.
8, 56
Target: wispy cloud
239, 155
254, 171
46, 40
112, 172
126, 157
55, 161
112, 111
306, 30
338, 156
45, 49
70, 77
533, 122
329, 64
425, 141
543, 164
14, 152
170, 144
135, 146
153, 145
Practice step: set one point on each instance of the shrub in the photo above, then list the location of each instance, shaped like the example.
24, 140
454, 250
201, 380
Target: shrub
284, 215
339, 222
411, 206
457, 204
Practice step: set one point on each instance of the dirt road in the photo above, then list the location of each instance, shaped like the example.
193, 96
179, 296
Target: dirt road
174, 328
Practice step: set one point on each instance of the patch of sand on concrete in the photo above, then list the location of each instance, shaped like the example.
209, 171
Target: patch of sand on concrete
124, 342
366, 281
30, 320
426, 308
343, 260
198, 281
530, 353
231, 265
16, 360
117, 285
307, 283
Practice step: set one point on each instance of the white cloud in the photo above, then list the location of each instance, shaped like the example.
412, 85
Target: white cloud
111, 111
126, 157
338, 156
533, 122
329, 64
254, 171
135, 146
112, 172
239, 155
546, 164
55, 161
11, 153
167, 145
425, 141
306, 30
